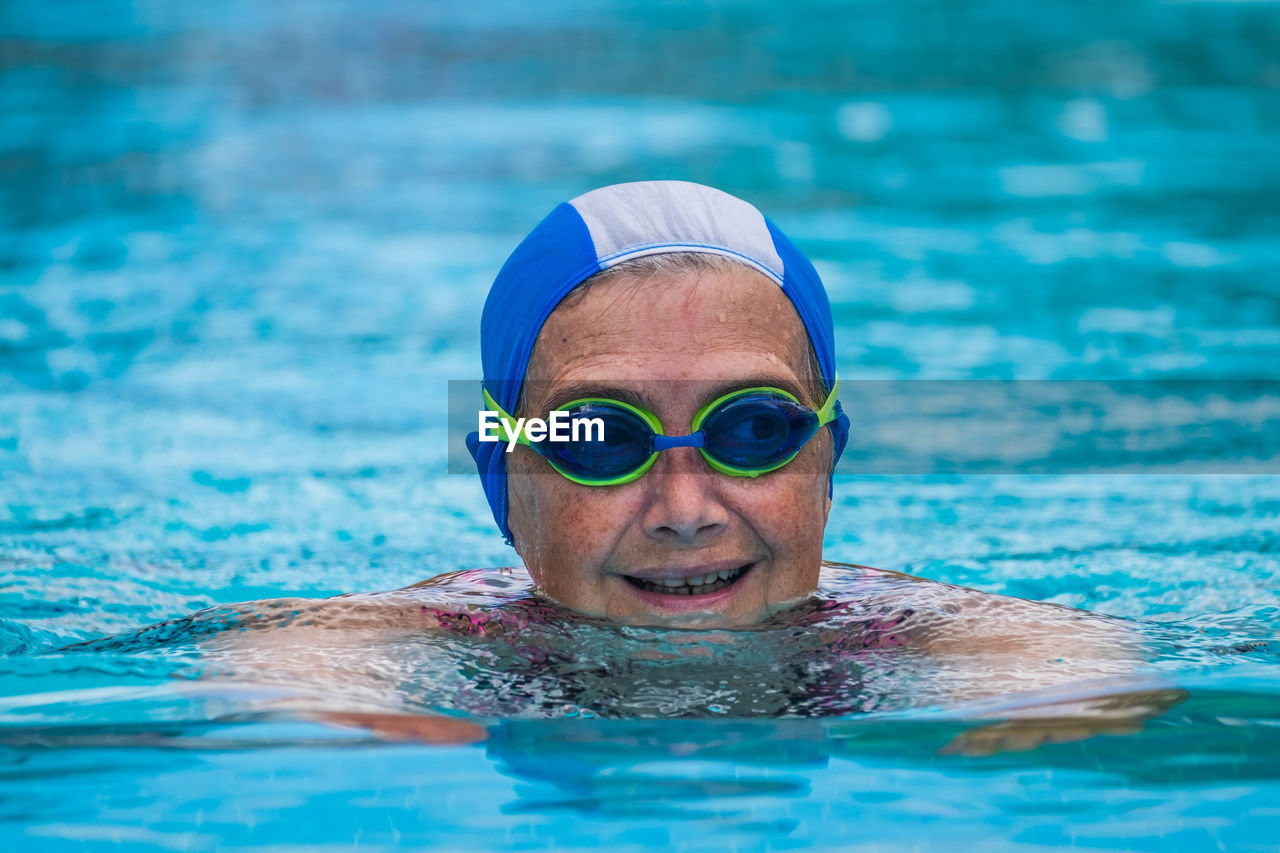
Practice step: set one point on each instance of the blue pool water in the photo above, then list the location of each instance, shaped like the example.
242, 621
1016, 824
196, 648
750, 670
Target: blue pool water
243, 249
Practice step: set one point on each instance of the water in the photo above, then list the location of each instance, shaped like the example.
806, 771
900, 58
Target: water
242, 253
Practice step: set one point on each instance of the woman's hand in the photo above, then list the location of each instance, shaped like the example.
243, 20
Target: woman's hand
1114, 714
425, 728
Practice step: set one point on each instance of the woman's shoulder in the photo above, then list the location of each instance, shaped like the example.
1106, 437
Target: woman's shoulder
460, 601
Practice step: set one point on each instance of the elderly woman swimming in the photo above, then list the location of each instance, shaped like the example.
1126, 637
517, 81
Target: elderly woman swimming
701, 339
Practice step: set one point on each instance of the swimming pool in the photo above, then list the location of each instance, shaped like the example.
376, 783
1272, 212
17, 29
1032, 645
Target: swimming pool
242, 254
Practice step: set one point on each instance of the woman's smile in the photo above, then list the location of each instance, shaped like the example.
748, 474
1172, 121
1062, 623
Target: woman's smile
679, 582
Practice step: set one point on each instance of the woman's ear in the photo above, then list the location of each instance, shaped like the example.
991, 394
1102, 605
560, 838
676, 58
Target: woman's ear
521, 515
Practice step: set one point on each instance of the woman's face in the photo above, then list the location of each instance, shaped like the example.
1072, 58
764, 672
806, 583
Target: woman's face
672, 343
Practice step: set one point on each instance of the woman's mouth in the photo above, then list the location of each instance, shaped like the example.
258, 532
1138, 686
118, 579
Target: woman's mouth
692, 585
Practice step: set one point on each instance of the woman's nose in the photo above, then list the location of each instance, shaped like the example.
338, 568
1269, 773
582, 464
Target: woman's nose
685, 504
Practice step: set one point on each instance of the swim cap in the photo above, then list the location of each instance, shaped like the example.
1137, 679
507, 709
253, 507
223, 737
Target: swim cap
602, 229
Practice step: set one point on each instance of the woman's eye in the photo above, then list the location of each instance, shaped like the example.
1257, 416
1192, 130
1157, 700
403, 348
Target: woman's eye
618, 428
755, 428
763, 428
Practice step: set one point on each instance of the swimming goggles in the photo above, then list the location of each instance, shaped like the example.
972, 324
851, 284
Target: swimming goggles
744, 433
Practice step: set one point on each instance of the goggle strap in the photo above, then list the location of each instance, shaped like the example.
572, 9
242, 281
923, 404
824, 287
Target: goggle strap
507, 421
831, 408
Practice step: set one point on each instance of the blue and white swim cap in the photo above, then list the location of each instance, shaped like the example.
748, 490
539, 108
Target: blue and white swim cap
602, 229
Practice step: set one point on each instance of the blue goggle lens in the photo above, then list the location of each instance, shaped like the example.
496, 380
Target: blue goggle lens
758, 432
627, 444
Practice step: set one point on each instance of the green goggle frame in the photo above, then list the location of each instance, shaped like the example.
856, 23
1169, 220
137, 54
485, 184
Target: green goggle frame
718, 427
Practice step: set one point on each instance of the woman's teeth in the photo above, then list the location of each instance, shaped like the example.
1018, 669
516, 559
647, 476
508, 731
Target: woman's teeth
695, 585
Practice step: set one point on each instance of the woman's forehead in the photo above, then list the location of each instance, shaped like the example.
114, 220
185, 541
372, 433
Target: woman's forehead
628, 322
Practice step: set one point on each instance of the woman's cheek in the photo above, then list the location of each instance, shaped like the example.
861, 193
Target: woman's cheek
564, 532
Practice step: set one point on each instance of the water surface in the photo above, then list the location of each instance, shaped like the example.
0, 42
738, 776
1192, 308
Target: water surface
243, 250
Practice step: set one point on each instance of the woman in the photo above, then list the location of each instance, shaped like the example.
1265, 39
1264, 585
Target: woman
701, 339
673, 299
